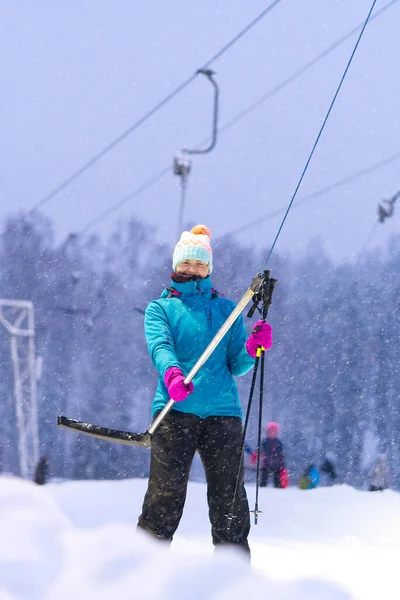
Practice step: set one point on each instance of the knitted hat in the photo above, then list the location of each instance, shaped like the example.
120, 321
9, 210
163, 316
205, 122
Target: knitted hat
194, 245
273, 427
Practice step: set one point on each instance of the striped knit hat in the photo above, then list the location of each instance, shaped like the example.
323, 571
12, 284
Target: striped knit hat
195, 245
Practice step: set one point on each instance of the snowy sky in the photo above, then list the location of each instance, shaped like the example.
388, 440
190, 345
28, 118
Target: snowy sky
76, 74
79, 540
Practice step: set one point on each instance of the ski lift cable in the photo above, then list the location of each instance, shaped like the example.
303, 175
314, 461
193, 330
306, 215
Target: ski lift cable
124, 200
164, 171
317, 193
242, 115
150, 113
301, 71
319, 134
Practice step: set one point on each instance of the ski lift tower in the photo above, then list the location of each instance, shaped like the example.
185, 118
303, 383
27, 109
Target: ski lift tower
18, 319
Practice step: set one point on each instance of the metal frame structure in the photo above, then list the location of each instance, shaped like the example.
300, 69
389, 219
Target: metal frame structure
17, 317
182, 163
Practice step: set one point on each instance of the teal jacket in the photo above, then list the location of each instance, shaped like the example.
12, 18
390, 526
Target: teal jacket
178, 328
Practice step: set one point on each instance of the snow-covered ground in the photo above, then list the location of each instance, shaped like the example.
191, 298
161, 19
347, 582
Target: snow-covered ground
76, 540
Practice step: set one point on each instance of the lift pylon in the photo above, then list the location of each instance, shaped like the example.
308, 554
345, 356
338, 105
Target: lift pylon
17, 317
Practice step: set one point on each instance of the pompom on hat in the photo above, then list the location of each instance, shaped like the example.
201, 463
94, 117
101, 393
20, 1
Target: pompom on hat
272, 427
194, 245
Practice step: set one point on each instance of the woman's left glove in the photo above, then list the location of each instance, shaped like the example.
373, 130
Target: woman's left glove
261, 336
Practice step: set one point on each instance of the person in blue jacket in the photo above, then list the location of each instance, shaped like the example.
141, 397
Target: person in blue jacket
206, 416
310, 478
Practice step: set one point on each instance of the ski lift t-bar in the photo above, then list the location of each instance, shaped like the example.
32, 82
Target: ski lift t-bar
144, 439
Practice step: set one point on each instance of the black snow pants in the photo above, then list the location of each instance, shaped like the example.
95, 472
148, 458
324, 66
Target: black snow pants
276, 477
173, 445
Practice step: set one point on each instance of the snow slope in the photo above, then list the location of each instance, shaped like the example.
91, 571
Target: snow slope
79, 540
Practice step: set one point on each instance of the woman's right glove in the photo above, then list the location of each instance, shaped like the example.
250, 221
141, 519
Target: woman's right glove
261, 336
177, 390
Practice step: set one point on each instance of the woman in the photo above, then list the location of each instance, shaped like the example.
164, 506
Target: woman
207, 416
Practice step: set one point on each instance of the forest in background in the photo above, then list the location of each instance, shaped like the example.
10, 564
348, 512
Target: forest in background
332, 378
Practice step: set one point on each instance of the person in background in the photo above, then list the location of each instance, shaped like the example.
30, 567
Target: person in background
41, 471
328, 472
272, 458
310, 478
378, 478
248, 449
206, 416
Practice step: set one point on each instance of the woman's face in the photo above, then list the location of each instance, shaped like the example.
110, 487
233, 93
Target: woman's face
193, 267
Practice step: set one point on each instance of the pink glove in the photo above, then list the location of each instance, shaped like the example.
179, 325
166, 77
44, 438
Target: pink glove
177, 390
253, 458
261, 336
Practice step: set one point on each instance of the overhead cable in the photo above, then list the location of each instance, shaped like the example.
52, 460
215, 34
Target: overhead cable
318, 193
244, 114
319, 134
150, 113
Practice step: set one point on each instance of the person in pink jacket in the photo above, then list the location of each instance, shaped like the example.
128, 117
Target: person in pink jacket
273, 460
